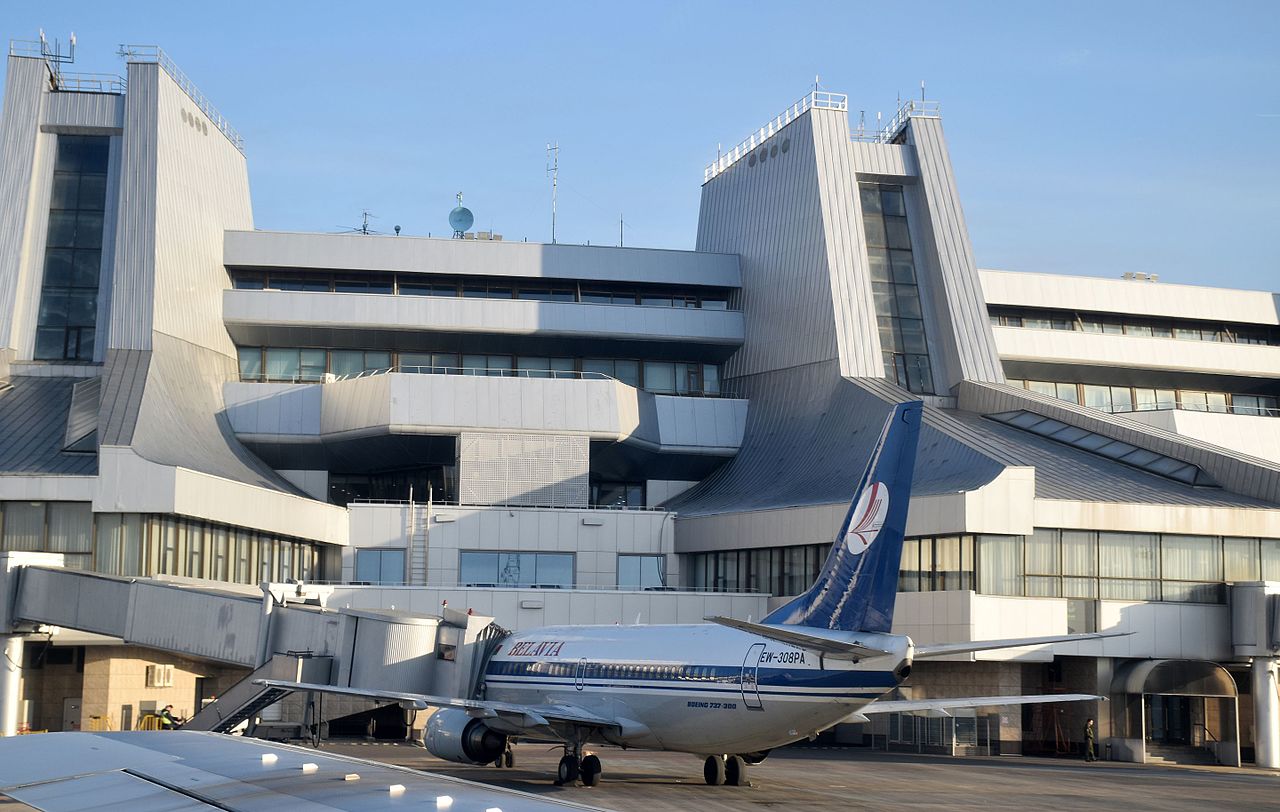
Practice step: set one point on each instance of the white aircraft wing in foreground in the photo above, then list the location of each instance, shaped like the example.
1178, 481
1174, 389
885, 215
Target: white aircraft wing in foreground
941, 707
190, 771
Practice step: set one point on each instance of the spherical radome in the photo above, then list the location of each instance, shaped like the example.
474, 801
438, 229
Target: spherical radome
460, 219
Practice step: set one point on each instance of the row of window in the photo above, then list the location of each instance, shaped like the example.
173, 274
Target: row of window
514, 570
894, 288
1081, 564
305, 364
1132, 326
481, 288
144, 544
1122, 566
1121, 399
587, 670
68, 313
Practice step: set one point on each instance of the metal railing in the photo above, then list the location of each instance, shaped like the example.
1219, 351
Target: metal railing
91, 83
27, 47
912, 108
442, 505
558, 587
564, 374
813, 100
154, 53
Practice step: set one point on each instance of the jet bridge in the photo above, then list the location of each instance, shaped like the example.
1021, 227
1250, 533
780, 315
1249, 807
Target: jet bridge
281, 631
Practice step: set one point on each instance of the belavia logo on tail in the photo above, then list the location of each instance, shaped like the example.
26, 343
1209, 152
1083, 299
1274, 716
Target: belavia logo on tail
867, 519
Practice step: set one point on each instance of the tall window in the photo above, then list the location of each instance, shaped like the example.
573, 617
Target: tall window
73, 250
894, 287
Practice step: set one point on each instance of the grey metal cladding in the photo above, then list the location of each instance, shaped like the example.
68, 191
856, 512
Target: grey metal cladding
82, 418
969, 329
134, 264
124, 381
180, 421
19, 128
33, 428
1245, 480
770, 213
854, 312
809, 433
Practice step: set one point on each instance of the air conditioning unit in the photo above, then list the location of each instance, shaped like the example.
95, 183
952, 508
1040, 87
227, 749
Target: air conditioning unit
160, 676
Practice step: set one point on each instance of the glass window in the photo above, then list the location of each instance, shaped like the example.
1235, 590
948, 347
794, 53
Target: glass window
1097, 397
1067, 392
1194, 401
1270, 559
250, 363
618, 494
1127, 564
380, 566
713, 303
1000, 565
642, 571
1121, 399
282, 364
909, 573
896, 232
870, 196
23, 526
1191, 558
873, 228
656, 300
660, 376
1240, 559
1144, 400
892, 202
1217, 402
599, 297
880, 267
1043, 388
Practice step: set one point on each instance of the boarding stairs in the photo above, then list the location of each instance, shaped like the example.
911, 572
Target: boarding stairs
245, 700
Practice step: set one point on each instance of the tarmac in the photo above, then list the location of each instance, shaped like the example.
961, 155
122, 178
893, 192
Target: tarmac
843, 778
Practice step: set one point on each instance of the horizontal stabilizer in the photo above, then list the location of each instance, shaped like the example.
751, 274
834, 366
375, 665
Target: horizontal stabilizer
944, 705
942, 649
833, 644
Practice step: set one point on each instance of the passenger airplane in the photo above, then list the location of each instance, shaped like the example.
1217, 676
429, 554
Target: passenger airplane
729, 690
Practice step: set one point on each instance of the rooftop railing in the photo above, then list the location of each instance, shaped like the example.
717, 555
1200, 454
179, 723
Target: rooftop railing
155, 54
813, 100
54, 58
907, 110
91, 83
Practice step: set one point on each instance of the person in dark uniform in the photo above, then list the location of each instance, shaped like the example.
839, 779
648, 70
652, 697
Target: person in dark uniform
1089, 753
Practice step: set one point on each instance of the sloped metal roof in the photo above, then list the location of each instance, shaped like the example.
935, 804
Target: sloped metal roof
33, 428
809, 433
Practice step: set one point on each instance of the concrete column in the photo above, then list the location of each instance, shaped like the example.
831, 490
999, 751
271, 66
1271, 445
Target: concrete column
1266, 712
10, 684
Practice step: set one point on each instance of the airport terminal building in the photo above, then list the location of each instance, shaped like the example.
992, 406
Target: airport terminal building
553, 433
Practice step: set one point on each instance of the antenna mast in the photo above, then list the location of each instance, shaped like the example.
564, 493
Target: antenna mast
553, 166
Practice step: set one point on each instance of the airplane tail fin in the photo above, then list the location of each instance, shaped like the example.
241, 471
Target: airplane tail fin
858, 583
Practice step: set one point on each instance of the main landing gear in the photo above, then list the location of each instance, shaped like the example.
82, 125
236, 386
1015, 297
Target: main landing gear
575, 766
726, 770
507, 759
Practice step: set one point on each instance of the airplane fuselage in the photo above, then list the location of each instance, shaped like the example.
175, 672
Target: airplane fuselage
691, 688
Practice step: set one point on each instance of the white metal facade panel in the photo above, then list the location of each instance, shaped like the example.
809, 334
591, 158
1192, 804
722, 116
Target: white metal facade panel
133, 266
202, 189
67, 111
523, 469
1132, 297
969, 329
853, 306
275, 249
770, 213
359, 311
23, 98
394, 656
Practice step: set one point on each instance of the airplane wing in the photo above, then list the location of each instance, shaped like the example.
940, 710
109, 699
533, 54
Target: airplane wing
940, 649
505, 717
189, 771
941, 706
835, 646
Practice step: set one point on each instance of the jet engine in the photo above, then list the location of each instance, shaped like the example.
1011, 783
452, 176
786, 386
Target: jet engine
455, 736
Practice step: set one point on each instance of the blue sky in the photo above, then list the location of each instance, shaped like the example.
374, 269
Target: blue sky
1087, 137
